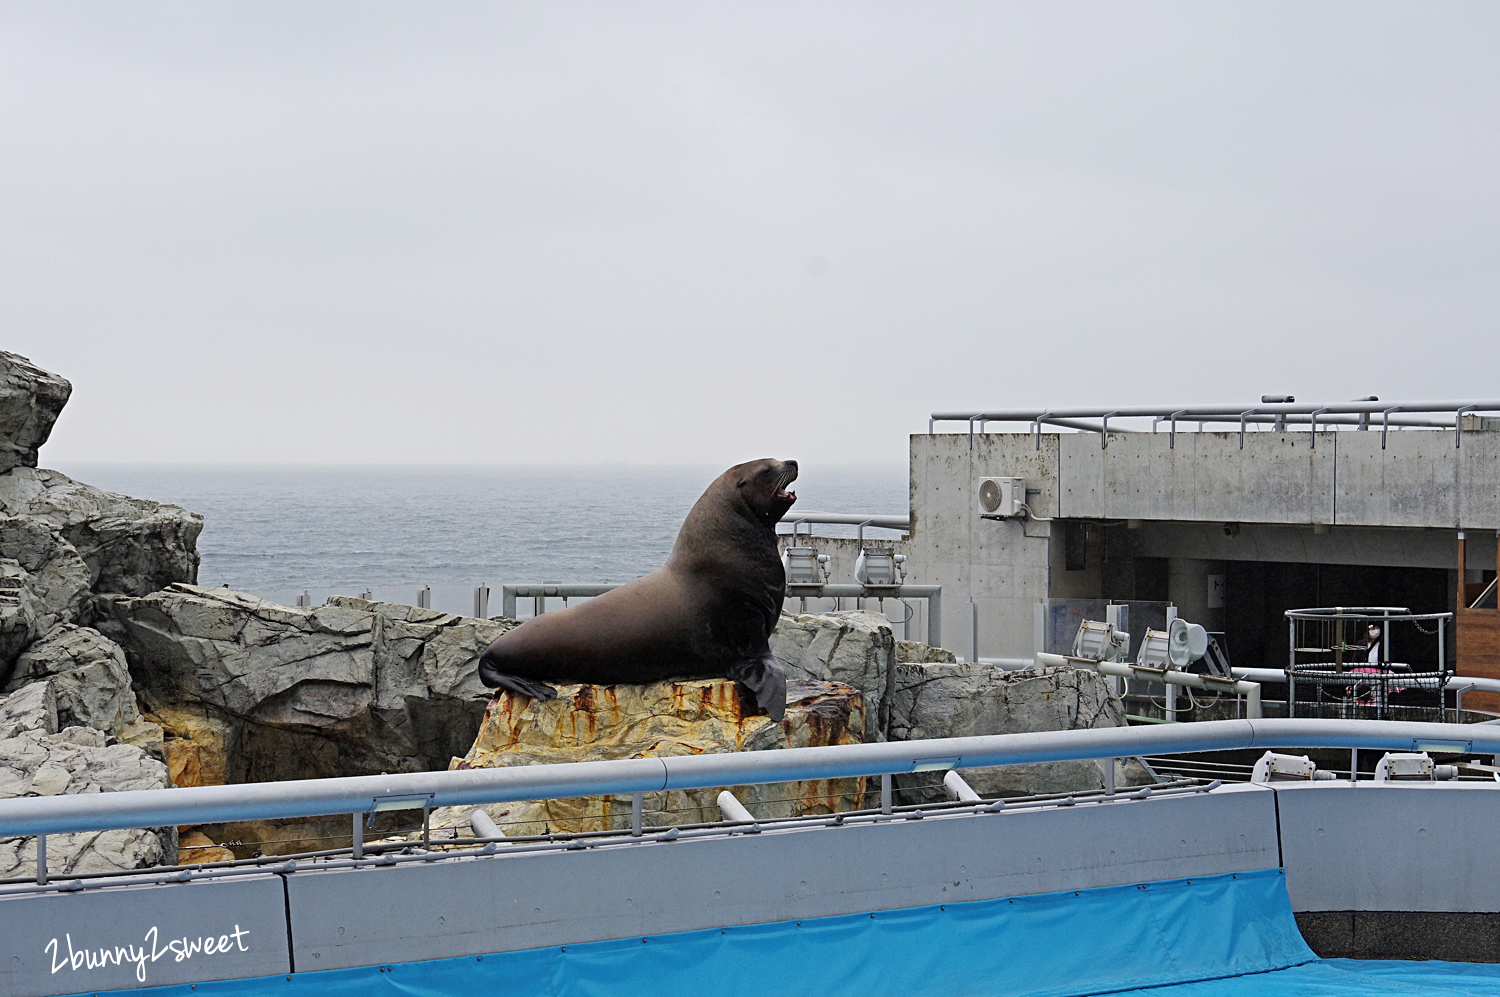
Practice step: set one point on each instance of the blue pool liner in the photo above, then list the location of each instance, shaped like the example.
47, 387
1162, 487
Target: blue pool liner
1216, 936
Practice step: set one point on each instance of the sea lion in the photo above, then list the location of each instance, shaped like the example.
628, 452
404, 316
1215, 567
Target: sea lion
707, 613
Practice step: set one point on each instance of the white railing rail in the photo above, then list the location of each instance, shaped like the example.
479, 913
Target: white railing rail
1279, 414
366, 794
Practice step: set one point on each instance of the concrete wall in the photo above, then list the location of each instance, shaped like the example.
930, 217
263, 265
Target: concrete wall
1419, 480
1000, 567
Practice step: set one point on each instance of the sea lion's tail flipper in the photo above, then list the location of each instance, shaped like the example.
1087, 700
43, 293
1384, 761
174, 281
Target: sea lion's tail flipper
496, 679
766, 678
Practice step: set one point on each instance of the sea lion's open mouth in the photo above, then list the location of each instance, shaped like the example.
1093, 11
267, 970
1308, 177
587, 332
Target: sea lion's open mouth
788, 475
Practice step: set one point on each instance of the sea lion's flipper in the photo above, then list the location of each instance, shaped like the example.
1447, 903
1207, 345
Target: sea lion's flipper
496, 679
765, 677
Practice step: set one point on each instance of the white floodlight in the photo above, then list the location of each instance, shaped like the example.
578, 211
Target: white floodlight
1273, 767
1153, 652
878, 566
804, 566
1100, 642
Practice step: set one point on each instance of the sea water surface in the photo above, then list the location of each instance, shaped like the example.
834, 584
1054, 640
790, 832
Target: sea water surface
280, 531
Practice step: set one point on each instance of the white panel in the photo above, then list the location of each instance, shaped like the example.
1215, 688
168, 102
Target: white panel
1398, 847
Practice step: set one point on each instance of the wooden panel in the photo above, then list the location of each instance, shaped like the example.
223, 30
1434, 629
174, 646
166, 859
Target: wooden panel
1479, 653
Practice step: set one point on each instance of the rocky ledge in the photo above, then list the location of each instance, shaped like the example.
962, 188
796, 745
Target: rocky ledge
595, 723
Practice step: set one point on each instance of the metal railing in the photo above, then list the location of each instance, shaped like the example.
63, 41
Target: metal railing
859, 519
564, 590
1280, 415
26, 816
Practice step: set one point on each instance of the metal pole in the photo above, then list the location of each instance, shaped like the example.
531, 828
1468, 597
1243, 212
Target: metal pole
885, 793
508, 601
974, 638
1354, 765
637, 805
1109, 776
41, 860
359, 836
1291, 668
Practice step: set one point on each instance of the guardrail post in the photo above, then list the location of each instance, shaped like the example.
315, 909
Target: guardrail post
482, 602
358, 840
637, 805
885, 794
935, 618
508, 601
1109, 776
41, 860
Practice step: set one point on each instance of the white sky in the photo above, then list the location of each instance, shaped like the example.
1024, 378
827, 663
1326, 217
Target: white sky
556, 232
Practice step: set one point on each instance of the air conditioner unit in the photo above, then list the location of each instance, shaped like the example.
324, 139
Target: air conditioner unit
1001, 498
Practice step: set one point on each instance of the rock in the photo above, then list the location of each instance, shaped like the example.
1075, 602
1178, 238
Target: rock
30, 400
18, 612
854, 647
915, 652
34, 762
198, 744
684, 717
58, 577
89, 678
30, 708
195, 848
131, 546
962, 700
349, 688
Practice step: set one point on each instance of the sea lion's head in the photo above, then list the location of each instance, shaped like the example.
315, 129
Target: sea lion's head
761, 486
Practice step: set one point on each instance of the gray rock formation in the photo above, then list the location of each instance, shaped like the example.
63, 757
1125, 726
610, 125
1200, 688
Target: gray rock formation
30, 400
130, 545
88, 679
853, 647
352, 687
916, 652
43, 583
34, 762
963, 700
38, 759
57, 577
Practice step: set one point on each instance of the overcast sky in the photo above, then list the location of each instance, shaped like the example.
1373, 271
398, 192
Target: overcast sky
560, 232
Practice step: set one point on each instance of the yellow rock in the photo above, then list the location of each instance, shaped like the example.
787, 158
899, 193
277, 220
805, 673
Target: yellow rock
196, 743
195, 847
686, 717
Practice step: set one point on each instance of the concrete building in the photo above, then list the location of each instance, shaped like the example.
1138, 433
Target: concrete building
1233, 528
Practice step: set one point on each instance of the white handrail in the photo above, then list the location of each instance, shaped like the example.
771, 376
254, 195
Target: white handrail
360, 794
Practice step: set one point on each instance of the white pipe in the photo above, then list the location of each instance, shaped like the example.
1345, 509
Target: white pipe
732, 810
895, 522
484, 826
1250, 690
31, 815
958, 790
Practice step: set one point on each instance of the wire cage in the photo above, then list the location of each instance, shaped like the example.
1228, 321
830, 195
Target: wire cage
1340, 665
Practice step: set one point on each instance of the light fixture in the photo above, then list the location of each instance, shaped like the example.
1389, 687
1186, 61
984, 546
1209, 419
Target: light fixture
1100, 642
804, 566
878, 566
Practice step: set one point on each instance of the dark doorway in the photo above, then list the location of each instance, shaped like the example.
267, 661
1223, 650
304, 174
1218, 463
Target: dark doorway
1258, 593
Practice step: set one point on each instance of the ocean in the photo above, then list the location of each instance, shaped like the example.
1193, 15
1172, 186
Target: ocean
282, 531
